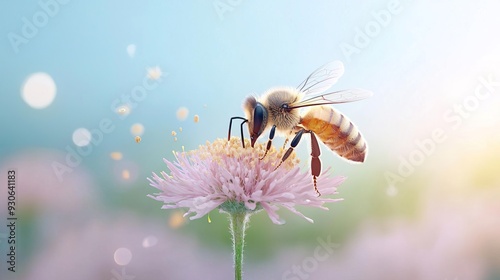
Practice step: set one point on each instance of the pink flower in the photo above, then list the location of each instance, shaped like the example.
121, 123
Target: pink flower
223, 174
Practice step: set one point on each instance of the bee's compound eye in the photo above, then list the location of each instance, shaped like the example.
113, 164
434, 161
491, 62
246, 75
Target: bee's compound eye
258, 118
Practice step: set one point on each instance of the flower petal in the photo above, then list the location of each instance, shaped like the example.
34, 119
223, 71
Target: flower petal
203, 179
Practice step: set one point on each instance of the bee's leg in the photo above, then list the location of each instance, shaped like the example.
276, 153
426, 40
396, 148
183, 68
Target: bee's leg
270, 141
315, 161
293, 144
241, 128
242, 136
315, 153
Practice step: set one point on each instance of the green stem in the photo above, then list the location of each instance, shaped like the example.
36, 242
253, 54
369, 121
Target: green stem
238, 223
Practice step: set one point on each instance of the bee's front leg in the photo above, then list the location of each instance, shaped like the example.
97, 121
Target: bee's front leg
241, 129
270, 141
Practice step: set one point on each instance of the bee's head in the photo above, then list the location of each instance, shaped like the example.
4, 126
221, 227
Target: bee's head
256, 114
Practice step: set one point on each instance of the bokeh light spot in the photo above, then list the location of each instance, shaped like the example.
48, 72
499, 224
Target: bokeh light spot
131, 50
154, 73
125, 174
176, 219
391, 191
137, 129
149, 241
196, 118
39, 90
122, 256
182, 113
116, 155
81, 137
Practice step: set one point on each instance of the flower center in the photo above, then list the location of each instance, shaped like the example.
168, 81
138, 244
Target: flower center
222, 148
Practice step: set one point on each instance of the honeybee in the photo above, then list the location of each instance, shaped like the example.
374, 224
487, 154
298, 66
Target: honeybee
279, 109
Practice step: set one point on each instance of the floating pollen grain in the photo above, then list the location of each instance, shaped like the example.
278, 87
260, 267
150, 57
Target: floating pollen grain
175, 139
174, 133
180, 129
123, 110
196, 118
138, 139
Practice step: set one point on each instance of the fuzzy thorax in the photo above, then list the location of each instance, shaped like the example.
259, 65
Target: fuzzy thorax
276, 100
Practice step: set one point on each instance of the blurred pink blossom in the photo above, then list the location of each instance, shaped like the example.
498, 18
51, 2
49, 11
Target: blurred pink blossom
89, 251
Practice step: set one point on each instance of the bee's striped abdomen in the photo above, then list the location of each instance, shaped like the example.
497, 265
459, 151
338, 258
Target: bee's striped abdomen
336, 131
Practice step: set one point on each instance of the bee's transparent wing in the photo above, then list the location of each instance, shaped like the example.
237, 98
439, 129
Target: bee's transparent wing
322, 78
336, 97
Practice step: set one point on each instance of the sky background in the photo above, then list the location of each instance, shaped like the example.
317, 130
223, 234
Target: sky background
423, 206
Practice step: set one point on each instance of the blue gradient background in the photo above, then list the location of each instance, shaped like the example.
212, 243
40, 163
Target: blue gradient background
428, 58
